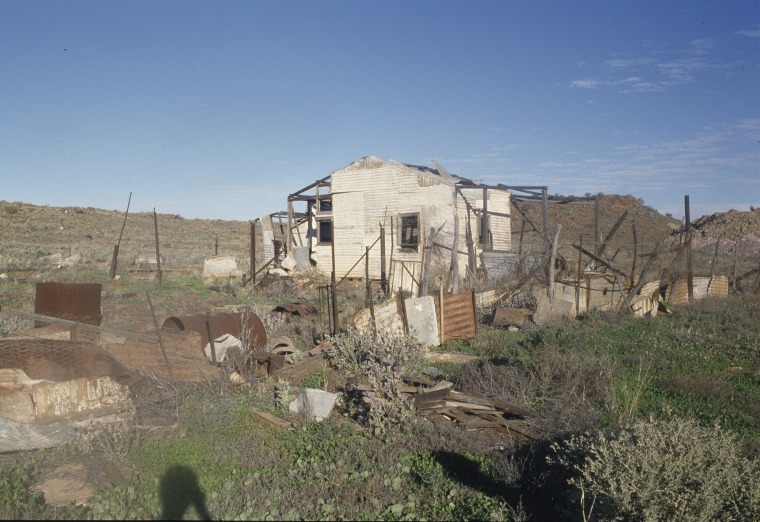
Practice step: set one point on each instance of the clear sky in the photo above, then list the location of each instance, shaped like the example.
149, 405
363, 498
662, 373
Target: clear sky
220, 109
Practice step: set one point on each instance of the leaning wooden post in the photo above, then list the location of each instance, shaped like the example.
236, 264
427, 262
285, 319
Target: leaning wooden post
689, 261
158, 334
158, 253
114, 259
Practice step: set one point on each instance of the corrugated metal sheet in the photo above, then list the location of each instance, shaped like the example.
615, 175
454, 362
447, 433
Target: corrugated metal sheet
459, 320
647, 300
678, 292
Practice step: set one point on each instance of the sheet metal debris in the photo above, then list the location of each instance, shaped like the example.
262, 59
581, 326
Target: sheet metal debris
73, 301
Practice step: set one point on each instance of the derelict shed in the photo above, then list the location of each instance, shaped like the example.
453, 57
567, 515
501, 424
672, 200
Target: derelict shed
401, 213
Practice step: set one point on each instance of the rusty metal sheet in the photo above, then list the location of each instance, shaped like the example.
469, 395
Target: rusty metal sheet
72, 301
459, 319
246, 326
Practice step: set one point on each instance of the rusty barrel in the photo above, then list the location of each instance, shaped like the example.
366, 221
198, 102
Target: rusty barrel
246, 326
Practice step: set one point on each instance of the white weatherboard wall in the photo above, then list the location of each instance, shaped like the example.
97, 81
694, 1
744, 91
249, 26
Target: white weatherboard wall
371, 192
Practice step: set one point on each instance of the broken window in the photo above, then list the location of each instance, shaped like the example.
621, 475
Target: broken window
325, 205
409, 230
324, 231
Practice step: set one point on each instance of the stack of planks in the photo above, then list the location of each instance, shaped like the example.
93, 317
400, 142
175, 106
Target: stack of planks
473, 410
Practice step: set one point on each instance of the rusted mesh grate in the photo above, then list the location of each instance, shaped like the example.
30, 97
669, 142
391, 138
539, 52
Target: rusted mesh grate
60, 361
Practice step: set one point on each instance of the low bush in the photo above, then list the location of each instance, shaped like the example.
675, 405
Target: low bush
660, 470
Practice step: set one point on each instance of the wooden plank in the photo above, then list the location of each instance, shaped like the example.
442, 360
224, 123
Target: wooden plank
271, 419
457, 404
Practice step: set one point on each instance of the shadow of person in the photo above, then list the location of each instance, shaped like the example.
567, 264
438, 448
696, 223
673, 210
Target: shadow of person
179, 490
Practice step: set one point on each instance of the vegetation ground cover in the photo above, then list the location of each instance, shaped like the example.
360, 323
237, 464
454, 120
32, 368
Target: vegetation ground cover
599, 386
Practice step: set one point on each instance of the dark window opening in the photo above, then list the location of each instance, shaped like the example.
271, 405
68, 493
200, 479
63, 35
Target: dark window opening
485, 238
410, 230
325, 205
325, 231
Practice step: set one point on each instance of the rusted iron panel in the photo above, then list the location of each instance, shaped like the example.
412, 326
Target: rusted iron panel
459, 320
246, 326
72, 301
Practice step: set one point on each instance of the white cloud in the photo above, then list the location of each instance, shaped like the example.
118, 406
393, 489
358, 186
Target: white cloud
751, 33
655, 72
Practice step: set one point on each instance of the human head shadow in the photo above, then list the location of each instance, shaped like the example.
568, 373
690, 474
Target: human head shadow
541, 488
179, 490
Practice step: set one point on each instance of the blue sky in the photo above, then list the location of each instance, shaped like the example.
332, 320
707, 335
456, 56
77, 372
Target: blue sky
220, 109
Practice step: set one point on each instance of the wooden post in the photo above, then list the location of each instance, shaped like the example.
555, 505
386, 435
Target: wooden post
332, 280
289, 231
597, 224
440, 298
520, 249
368, 297
383, 272
712, 266
736, 261
689, 261
158, 252
424, 286
118, 243
484, 237
210, 338
370, 300
454, 271
216, 246
158, 334
635, 254
578, 279
551, 264
253, 253
545, 209
335, 327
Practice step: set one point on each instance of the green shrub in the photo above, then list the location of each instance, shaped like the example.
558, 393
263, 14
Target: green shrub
382, 363
671, 470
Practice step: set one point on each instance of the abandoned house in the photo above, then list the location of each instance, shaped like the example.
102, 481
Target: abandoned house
396, 215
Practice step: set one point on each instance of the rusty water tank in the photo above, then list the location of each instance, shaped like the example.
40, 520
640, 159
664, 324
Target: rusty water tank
235, 324
73, 301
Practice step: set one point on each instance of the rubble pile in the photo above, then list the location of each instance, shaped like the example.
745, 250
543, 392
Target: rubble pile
731, 227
